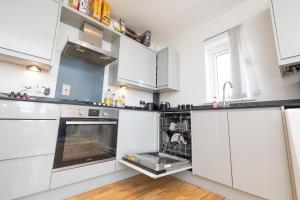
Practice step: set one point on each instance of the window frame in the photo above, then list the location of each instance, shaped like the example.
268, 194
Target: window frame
214, 47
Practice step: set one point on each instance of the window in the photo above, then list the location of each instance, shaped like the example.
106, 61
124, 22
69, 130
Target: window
218, 65
228, 59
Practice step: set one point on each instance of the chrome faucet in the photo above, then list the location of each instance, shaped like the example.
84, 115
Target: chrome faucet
224, 103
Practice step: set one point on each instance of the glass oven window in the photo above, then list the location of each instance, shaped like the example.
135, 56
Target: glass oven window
87, 141
84, 140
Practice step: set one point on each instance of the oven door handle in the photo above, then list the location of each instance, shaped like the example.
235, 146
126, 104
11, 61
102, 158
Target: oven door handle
90, 123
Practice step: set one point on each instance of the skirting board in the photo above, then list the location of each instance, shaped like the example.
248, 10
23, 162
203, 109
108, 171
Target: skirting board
217, 188
81, 187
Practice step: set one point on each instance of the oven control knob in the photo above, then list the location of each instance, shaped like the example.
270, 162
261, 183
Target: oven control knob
104, 114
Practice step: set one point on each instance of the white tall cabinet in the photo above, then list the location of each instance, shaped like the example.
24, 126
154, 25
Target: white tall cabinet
287, 30
137, 132
28, 30
211, 152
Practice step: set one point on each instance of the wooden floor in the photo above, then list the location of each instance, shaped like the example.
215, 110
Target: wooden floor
144, 188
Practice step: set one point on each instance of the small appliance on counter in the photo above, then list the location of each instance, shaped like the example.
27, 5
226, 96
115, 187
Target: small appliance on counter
151, 106
164, 106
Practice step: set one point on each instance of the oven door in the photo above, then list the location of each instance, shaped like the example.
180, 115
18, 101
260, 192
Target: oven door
85, 141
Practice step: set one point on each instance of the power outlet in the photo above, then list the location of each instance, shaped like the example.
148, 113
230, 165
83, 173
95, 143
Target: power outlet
66, 89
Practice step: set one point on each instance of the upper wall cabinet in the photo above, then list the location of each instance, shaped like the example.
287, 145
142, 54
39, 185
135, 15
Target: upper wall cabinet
168, 78
136, 65
287, 30
28, 30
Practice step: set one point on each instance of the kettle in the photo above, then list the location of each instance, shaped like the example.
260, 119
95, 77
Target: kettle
164, 106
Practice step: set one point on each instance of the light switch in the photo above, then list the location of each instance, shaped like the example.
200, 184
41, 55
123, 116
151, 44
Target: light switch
66, 89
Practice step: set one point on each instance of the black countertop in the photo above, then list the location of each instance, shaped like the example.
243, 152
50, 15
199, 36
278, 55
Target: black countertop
70, 102
292, 103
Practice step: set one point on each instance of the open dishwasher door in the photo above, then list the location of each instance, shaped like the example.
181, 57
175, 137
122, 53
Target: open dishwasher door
156, 164
175, 148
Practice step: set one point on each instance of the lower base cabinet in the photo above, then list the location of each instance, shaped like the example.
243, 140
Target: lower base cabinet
25, 176
259, 154
211, 149
67, 177
246, 144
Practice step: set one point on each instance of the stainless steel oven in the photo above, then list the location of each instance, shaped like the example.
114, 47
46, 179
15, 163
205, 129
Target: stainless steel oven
86, 135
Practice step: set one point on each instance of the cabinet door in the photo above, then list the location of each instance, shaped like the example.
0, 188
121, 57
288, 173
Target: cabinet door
287, 27
211, 152
24, 138
29, 27
293, 126
22, 177
162, 68
259, 154
137, 64
168, 78
137, 133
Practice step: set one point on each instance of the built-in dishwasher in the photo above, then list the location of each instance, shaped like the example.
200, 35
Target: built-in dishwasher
175, 148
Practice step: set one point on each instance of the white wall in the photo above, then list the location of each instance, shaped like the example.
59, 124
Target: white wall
257, 21
14, 77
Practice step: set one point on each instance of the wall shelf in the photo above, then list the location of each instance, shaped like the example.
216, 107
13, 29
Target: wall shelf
76, 19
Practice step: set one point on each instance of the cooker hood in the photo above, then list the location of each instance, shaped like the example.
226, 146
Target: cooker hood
87, 46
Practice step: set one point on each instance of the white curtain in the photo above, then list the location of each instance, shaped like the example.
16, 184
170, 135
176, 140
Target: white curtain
243, 75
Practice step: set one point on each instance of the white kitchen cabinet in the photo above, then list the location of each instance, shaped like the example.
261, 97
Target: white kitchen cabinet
137, 132
25, 138
211, 149
168, 77
136, 65
22, 177
28, 30
287, 30
259, 154
28, 110
293, 127
70, 176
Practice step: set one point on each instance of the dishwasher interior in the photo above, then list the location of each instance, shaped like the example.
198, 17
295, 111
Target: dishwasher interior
175, 134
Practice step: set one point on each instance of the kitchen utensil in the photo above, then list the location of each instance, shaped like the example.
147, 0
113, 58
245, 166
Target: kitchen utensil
172, 126
164, 106
166, 138
175, 137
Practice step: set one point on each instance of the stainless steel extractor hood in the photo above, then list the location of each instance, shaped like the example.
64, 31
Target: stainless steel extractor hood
88, 47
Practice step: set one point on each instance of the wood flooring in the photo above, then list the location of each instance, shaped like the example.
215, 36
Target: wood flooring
143, 188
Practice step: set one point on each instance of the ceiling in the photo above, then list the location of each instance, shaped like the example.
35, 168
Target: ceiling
167, 18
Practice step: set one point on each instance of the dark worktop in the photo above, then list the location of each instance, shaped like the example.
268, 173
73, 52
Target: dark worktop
292, 103
70, 102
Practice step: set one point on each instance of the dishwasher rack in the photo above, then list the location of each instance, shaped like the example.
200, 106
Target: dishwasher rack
175, 134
